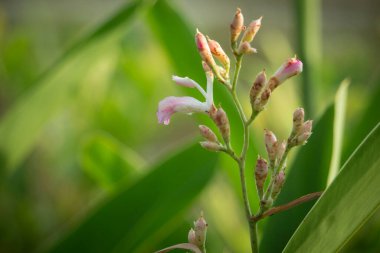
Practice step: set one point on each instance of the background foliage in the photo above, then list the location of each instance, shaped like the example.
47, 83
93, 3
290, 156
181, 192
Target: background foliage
85, 167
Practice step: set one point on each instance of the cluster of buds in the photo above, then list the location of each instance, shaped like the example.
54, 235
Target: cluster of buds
262, 89
236, 27
197, 235
301, 130
208, 49
277, 152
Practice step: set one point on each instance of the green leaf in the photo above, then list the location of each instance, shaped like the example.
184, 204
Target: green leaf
134, 218
340, 110
346, 205
108, 161
20, 127
368, 119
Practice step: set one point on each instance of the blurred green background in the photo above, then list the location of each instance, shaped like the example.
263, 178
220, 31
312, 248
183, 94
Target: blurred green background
84, 164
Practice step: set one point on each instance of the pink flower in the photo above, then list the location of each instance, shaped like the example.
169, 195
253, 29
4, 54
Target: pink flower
291, 67
170, 105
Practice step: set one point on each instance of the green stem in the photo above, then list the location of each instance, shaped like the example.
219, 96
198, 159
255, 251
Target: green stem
241, 160
253, 236
239, 59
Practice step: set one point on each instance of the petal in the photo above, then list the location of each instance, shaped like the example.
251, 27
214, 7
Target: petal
184, 81
170, 105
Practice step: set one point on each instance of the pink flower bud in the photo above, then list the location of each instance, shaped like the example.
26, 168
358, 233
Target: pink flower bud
270, 145
221, 120
245, 48
278, 183
298, 118
208, 134
290, 68
236, 26
257, 86
261, 172
210, 146
251, 30
262, 101
204, 49
280, 150
305, 132
219, 53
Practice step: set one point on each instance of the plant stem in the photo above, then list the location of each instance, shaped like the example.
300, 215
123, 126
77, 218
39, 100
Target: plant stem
239, 59
287, 206
241, 160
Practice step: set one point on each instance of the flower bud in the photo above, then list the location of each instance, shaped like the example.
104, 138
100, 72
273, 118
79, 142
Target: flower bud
191, 237
245, 48
257, 86
211, 146
305, 132
204, 49
208, 134
270, 145
200, 229
278, 183
290, 68
298, 118
221, 120
280, 150
251, 30
262, 101
219, 53
236, 26
261, 172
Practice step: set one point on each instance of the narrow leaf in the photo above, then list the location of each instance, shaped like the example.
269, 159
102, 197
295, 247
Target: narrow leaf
340, 110
346, 205
20, 127
134, 216
109, 162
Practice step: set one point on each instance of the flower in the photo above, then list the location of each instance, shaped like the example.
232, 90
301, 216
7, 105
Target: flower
170, 105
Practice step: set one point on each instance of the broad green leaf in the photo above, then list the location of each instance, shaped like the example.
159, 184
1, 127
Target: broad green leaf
347, 203
108, 161
133, 219
20, 127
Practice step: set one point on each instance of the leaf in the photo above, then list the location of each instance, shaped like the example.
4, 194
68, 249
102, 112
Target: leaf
340, 109
347, 203
20, 127
368, 119
133, 218
108, 161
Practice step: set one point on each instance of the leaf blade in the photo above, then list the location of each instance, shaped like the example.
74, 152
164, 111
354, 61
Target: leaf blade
134, 214
356, 186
